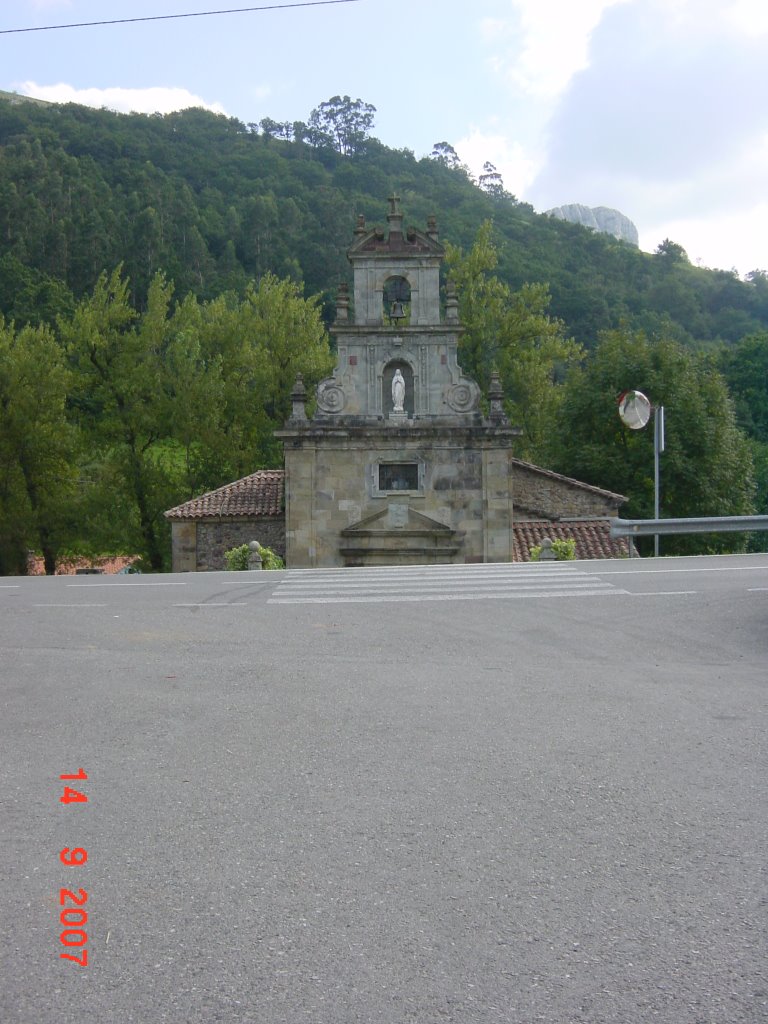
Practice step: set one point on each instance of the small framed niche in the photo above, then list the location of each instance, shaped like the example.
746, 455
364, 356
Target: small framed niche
397, 477
387, 401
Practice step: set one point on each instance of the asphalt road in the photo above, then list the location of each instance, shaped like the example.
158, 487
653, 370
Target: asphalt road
459, 794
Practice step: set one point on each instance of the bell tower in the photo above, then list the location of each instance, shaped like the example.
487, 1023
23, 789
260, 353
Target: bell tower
397, 323
398, 464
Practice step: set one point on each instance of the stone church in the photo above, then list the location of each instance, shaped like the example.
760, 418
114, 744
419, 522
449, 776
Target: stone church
398, 465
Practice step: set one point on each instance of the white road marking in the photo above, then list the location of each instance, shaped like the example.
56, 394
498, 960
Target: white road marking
117, 583
393, 584
713, 568
489, 596
69, 605
429, 588
212, 604
661, 593
428, 581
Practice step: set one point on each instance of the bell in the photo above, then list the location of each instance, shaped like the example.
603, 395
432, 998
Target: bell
397, 312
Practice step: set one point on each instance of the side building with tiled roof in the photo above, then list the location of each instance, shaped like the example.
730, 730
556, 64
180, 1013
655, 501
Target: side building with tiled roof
548, 504
545, 504
248, 509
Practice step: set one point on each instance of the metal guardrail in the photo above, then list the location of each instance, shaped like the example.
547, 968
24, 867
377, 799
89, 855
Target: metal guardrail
707, 524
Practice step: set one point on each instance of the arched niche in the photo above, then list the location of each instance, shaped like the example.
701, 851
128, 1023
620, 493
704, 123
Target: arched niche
396, 298
386, 383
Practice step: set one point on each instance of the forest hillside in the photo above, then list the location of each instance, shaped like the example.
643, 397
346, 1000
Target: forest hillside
164, 278
213, 203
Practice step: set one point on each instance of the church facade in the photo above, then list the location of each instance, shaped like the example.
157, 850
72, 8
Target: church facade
397, 465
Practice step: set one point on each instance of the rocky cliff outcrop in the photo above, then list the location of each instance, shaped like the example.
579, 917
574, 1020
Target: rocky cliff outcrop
599, 218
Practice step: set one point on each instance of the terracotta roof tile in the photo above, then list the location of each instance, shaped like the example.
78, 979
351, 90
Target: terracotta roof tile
68, 567
592, 536
260, 494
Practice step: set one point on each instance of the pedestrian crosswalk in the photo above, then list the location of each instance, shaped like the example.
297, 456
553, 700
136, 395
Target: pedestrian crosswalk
438, 583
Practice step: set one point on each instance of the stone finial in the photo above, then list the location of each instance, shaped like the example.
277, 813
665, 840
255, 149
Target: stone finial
547, 554
299, 399
451, 304
432, 227
496, 398
342, 303
360, 227
255, 560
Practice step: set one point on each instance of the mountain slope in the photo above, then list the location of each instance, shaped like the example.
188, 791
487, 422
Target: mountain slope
213, 203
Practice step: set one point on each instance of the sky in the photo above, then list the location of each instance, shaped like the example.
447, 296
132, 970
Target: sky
657, 108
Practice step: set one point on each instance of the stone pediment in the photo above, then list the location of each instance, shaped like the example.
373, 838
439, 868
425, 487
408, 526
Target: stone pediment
396, 243
397, 535
397, 518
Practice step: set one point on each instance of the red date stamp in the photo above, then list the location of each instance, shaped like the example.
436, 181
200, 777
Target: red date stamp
74, 917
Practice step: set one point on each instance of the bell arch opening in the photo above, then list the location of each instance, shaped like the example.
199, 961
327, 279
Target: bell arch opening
397, 301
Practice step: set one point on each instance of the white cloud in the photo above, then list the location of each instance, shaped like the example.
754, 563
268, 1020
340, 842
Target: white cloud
517, 166
748, 16
157, 99
260, 92
668, 125
535, 50
723, 242
555, 38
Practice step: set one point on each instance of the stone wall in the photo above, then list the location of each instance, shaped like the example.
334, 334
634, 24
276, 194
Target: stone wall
538, 493
464, 485
213, 537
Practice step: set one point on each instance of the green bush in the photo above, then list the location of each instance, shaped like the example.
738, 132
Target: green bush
565, 550
269, 560
237, 558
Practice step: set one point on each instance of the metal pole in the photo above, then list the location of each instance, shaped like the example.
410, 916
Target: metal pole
658, 447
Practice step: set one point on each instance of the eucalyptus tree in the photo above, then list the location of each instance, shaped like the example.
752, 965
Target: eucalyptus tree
343, 123
38, 447
706, 469
512, 332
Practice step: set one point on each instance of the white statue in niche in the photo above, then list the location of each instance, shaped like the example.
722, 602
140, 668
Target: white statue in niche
398, 391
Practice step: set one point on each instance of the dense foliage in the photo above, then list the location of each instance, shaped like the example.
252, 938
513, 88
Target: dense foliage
745, 367
706, 469
153, 315
214, 203
122, 414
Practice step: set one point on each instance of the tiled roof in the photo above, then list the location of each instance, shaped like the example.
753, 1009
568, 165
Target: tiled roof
260, 494
68, 567
592, 536
621, 498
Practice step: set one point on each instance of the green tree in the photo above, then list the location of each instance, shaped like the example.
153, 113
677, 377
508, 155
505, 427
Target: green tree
121, 393
671, 252
706, 469
443, 153
38, 446
28, 296
345, 122
513, 333
745, 366
182, 398
492, 183
260, 343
